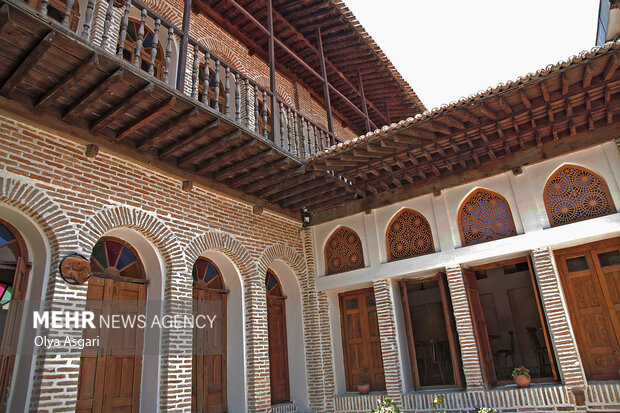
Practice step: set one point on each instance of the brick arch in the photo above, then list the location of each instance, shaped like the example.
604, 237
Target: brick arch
147, 224
574, 193
484, 216
35, 203
221, 49
166, 11
286, 254
255, 311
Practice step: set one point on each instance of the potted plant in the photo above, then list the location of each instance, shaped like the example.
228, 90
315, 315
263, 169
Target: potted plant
437, 402
364, 386
387, 406
488, 410
521, 376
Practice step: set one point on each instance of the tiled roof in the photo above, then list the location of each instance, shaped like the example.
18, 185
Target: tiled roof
474, 98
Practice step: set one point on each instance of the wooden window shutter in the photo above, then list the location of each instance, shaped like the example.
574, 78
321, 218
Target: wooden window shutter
482, 335
451, 330
415, 374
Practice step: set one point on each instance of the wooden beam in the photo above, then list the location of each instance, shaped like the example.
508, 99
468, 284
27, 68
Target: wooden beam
77, 73
486, 111
610, 70
272, 65
296, 190
121, 109
171, 149
153, 114
172, 126
218, 145
408, 140
261, 172
92, 95
187, 9
279, 182
504, 106
328, 107
363, 97
27, 64
244, 165
229, 156
524, 98
565, 84
588, 73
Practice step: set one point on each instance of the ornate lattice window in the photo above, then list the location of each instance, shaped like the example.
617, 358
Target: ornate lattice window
574, 194
113, 256
343, 251
408, 235
485, 216
206, 274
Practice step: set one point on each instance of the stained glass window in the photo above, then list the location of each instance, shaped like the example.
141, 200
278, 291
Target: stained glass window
9, 246
485, 216
272, 284
343, 251
408, 235
207, 274
114, 256
574, 194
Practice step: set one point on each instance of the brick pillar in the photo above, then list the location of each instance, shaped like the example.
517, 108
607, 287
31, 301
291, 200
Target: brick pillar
317, 335
257, 346
465, 329
556, 312
389, 340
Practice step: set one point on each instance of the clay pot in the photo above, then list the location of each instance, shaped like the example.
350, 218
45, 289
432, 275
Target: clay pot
363, 388
523, 380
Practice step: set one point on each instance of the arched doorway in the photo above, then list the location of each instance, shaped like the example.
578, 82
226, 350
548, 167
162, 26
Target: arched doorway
110, 375
14, 269
209, 378
278, 348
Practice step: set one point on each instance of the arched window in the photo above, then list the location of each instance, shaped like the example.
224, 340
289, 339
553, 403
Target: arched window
485, 216
129, 48
206, 274
408, 235
113, 256
56, 10
574, 194
343, 252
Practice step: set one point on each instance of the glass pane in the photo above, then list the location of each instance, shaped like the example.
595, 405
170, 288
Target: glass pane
351, 304
99, 254
577, 264
5, 235
370, 300
211, 273
127, 258
607, 259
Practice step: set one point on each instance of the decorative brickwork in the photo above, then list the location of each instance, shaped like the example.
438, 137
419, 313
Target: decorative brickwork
389, 339
464, 328
574, 193
558, 318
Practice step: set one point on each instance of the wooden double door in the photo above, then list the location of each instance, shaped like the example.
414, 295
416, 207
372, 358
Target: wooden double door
209, 393
360, 339
590, 277
111, 373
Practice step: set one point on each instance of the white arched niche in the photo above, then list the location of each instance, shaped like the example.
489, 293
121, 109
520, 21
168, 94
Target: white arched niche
236, 383
39, 253
294, 334
154, 269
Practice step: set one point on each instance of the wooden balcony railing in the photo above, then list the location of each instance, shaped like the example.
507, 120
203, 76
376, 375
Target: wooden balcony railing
208, 79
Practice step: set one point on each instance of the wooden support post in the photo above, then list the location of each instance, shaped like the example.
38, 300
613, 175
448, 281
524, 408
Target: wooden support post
272, 69
364, 107
187, 10
328, 106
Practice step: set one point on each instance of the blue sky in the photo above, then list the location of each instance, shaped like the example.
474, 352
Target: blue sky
452, 48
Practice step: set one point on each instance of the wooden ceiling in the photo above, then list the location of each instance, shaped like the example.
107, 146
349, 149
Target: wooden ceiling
348, 50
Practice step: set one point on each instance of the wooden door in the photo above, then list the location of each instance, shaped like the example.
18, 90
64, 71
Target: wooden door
110, 375
360, 339
10, 334
209, 392
278, 348
278, 351
591, 280
482, 334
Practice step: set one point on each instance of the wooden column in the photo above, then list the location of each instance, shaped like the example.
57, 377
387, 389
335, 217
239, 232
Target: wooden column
328, 106
272, 68
187, 10
364, 107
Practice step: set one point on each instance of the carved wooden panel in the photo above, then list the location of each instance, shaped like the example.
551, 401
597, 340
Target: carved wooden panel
408, 235
574, 194
343, 252
485, 216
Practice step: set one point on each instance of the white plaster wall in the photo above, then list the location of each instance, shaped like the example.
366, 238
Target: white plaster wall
39, 253
294, 335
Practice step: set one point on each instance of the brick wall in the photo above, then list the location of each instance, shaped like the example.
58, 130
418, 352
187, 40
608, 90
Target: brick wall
75, 200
